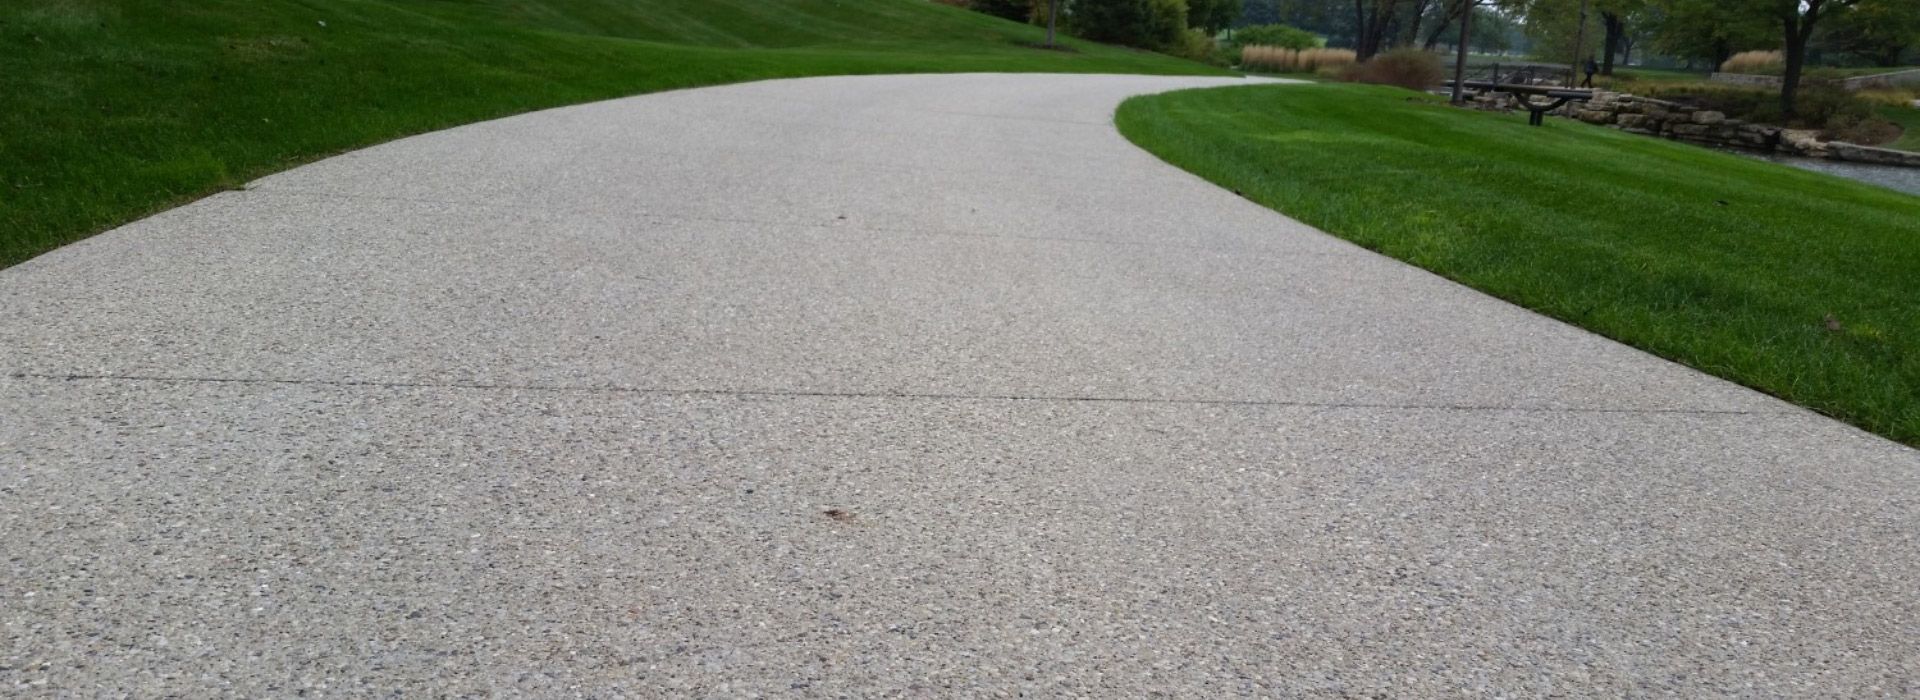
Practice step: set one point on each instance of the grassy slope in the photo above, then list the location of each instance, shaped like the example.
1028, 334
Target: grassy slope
113, 109
1909, 120
1721, 262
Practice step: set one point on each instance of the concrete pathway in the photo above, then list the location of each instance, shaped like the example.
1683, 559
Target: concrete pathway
926, 385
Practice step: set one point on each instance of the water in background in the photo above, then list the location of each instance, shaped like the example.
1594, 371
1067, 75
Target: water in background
1891, 177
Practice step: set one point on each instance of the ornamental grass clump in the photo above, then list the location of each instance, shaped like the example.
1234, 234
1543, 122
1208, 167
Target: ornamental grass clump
1756, 62
1277, 59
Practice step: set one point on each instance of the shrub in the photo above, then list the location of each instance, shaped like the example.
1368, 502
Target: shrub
1275, 59
1166, 25
1195, 45
1759, 62
1409, 68
1735, 101
1820, 105
1147, 24
1869, 131
1891, 96
1016, 10
1279, 35
1829, 106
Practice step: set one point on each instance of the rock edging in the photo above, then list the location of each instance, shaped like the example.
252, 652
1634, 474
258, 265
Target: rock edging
1672, 120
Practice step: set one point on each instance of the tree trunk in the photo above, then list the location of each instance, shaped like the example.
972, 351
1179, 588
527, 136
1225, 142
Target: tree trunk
1790, 78
1579, 44
1446, 21
1360, 30
1799, 26
1370, 29
1053, 18
1460, 59
1419, 13
1615, 27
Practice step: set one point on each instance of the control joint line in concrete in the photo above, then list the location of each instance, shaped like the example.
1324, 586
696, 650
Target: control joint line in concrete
919, 396
828, 226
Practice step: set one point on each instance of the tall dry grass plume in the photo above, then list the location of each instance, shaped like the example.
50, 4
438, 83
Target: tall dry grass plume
1274, 59
1754, 62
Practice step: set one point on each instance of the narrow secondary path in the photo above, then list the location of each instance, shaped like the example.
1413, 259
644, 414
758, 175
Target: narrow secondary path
925, 385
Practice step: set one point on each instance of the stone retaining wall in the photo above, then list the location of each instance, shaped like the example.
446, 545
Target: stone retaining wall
1863, 82
1672, 120
1748, 80
1883, 80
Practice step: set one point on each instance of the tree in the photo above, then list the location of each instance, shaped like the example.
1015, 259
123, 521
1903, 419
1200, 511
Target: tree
1449, 12
1798, 18
1147, 24
1794, 24
1053, 20
1411, 18
1214, 16
1260, 12
1372, 21
1879, 32
1016, 10
1630, 34
1708, 30
1278, 35
1332, 19
1493, 32
1614, 15
1560, 30
1460, 50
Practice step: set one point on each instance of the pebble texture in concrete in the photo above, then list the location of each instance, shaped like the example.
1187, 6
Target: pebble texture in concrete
925, 385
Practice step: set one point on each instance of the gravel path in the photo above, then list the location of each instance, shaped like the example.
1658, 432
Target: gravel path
927, 385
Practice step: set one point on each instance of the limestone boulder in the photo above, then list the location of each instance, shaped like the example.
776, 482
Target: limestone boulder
1802, 140
1841, 150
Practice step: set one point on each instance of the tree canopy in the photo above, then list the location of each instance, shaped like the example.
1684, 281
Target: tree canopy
1696, 34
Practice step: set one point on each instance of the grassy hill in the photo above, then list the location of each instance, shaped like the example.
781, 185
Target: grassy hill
113, 109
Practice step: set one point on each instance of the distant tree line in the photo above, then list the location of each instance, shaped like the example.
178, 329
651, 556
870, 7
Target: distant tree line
1678, 33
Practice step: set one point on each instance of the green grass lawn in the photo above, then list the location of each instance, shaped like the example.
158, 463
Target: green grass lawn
1623, 78
1909, 119
1852, 71
113, 109
1727, 264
